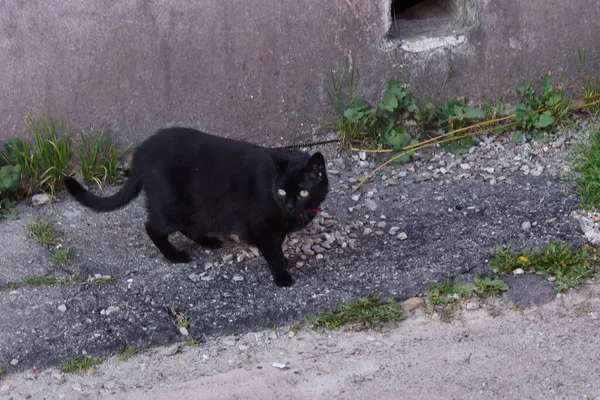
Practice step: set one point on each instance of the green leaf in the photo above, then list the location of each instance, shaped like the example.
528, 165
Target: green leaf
522, 88
351, 113
8, 182
554, 100
541, 137
545, 120
473, 113
518, 137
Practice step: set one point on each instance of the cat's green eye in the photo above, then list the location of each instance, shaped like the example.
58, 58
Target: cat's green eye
281, 192
304, 193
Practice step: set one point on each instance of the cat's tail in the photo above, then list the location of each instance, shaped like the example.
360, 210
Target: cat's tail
128, 192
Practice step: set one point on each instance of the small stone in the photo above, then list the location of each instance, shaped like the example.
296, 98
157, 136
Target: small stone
394, 230
172, 350
243, 347
319, 256
413, 303
381, 224
318, 249
57, 374
40, 199
183, 330
465, 166
205, 357
77, 387
518, 271
208, 266
299, 264
109, 310
355, 197
6, 388
110, 385
241, 257
207, 278
62, 308
14, 361
402, 236
279, 365
367, 231
362, 155
551, 279
371, 205
238, 278
472, 305
228, 257
194, 277
526, 226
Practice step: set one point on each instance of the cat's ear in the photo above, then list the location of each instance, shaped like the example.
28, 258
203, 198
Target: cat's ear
316, 166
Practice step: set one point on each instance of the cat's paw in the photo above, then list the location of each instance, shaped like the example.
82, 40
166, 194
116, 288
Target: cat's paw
180, 257
283, 280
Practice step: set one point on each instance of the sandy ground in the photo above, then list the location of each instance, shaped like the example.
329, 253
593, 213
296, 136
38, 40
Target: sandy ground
546, 352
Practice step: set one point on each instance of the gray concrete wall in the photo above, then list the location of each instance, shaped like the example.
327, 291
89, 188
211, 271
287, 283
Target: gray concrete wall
259, 69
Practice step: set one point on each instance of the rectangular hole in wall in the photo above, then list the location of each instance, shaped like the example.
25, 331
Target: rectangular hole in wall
414, 18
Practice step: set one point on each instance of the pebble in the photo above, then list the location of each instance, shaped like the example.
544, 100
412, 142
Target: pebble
472, 305
40, 199
183, 330
238, 278
243, 347
172, 350
551, 279
370, 204
110, 385
62, 308
6, 388
526, 226
109, 310
279, 365
194, 277
465, 166
412, 304
77, 387
394, 230
518, 271
402, 236
14, 361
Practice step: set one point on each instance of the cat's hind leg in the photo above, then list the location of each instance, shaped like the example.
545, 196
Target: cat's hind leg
160, 237
209, 242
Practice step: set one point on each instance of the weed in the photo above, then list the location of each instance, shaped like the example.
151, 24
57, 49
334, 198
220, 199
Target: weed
99, 158
586, 165
454, 114
2, 370
190, 341
43, 233
80, 365
590, 85
552, 103
62, 256
44, 154
446, 293
568, 266
362, 313
9, 185
127, 353
44, 281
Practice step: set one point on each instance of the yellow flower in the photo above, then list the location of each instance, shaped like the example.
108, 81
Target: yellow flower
523, 259
563, 264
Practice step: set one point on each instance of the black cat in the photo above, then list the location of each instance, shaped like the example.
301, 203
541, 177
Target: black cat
199, 184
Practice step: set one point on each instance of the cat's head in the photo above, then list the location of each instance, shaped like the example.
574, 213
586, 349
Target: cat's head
301, 183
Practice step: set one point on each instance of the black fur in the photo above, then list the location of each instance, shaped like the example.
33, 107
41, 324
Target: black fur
202, 185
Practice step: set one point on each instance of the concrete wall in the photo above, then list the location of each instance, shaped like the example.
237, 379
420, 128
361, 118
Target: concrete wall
259, 69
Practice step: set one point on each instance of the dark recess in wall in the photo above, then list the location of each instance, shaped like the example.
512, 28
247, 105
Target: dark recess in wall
412, 18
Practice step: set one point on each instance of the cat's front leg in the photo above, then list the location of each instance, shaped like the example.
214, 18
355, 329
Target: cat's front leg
273, 254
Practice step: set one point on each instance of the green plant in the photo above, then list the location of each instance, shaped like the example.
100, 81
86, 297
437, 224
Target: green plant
454, 114
586, 166
43, 281
447, 292
2, 370
589, 84
44, 154
363, 313
127, 353
9, 186
190, 341
537, 112
43, 233
62, 256
569, 267
99, 158
80, 365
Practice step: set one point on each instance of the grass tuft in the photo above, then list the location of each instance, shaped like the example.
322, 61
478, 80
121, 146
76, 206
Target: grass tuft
63, 256
43, 233
569, 266
127, 353
363, 313
80, 365
586, 165
99, 158
43, 281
